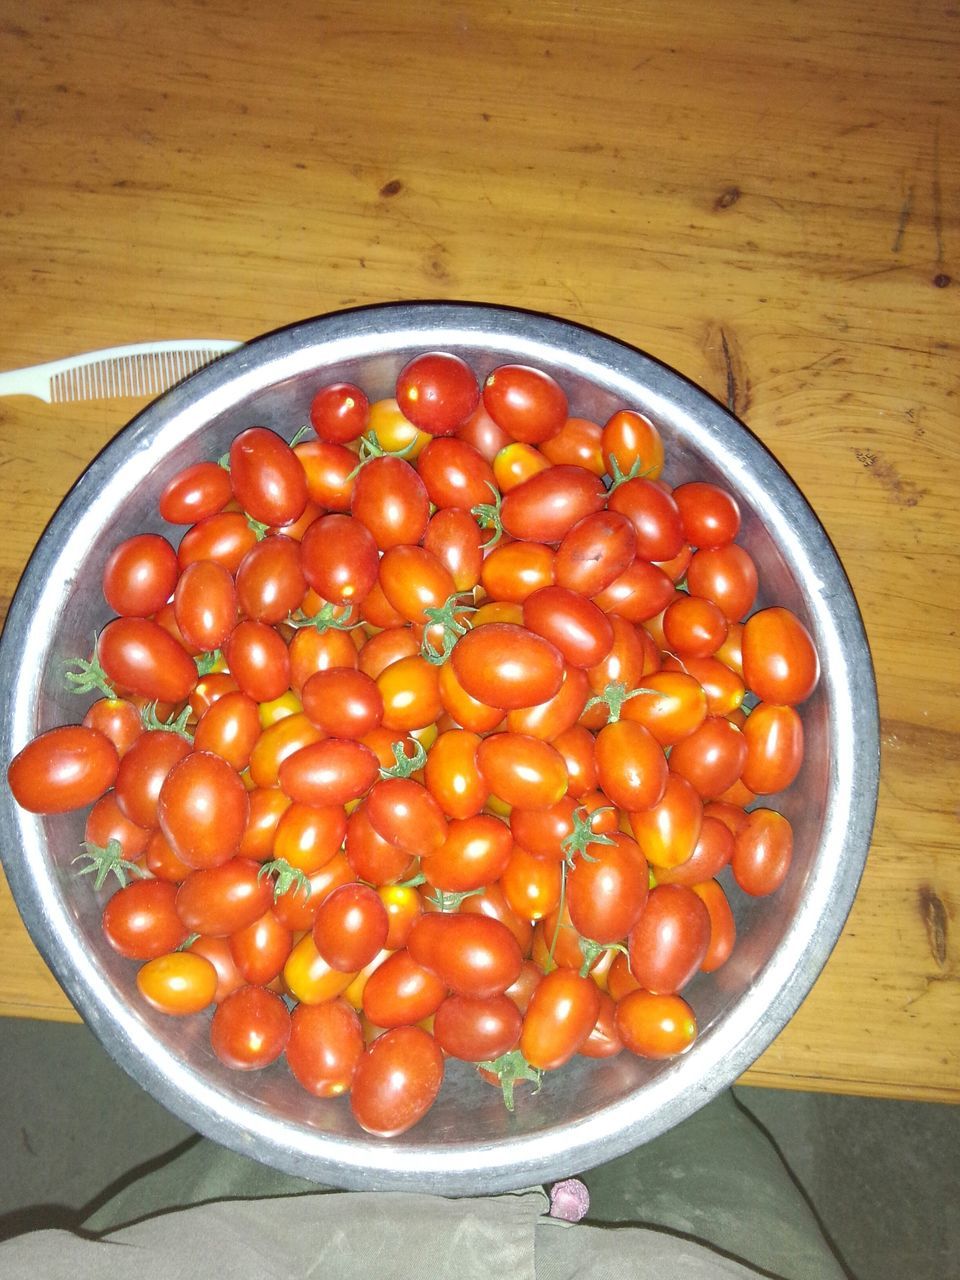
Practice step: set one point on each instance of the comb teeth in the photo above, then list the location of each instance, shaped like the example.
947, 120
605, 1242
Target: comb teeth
143, 374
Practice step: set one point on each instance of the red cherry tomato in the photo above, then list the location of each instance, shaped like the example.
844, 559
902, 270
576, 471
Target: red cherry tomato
562, 1012
222, 900
473, 955
339, 559
437, 391
142, 658
195, 493
142, 773
780, 663
396, 1081
655, 516
528, 404
139, 576
258, 660
607, 891
267, 477
339, 412
250, 1029
581, 631
65, 768
141, 920
595, 552
391, 501
205, 604
202, 809
668, 943
774, 748
331, 771
549, 504
477, 1030
655, 1026
506, 666
710, 515
351, 927
762, 852
324, 1047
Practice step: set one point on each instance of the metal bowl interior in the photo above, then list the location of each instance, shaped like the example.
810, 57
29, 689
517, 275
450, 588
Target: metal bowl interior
588, 1112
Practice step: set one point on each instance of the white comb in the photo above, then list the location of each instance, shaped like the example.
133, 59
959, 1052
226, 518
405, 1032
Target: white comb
140, 369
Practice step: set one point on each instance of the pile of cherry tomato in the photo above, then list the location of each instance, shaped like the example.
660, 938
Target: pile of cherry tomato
430, 738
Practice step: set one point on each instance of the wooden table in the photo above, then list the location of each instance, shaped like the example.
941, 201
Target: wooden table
764, 196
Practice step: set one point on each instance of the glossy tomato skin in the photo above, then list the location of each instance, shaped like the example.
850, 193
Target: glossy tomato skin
222, 900
414, 580
324, 1047
260, 949
607, 893
668, 831
225, 537
372, 858
329, 469
391, 500
139, 576
726, 575
507, 666
270, 583
351, 927
230, 729
339, 411
267, 478
581, 631
141, 657
762, 852
514, 570
342, 701
258, 659
595, 552
477, 1030
202, 809
774, 748
455, 538
331, 771
142, 772
396, 1081
670, 940
205, 605
577, 443
549, 504
473, 955
141, 921
401, 991
604, 1040
780, 662
250, 1028
106, 821
437, 391
522, 770
196, 492
641, 592
474, 854
404, 813
711, 758
65, 768
527, 403
711, 853
723, 926
179, 983
562, 1012
117, 719
655, 1026
631, 440
338, 555
631, 767
655, 516
710, 514
452, 775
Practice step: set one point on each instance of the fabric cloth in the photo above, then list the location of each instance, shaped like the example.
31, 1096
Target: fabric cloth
710, 1200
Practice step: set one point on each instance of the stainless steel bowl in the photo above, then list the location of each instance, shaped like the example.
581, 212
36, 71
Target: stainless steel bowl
588, 1112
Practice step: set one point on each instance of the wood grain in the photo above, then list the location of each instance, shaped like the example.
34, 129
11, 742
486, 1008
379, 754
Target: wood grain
764, 197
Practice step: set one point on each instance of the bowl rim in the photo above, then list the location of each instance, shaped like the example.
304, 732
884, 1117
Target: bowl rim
847, 680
